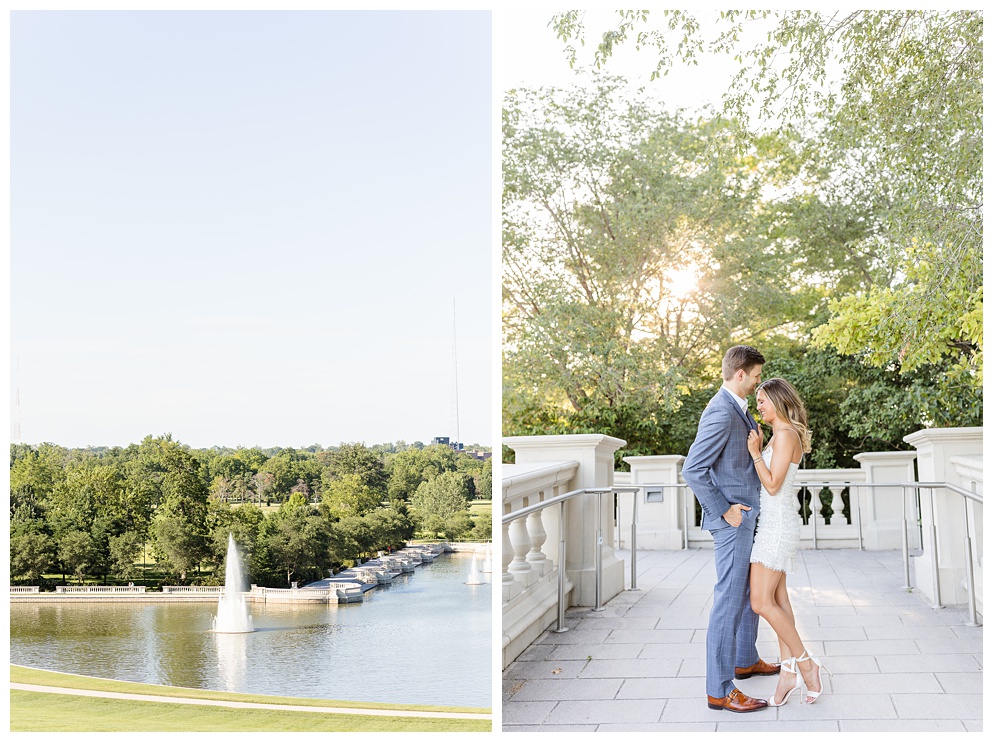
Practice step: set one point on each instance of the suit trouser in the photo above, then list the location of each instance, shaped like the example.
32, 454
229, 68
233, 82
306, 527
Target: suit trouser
733, 626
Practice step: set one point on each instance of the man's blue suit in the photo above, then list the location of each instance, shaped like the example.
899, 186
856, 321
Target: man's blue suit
719, 470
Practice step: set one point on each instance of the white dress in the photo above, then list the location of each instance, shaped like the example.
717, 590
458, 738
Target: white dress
777, 530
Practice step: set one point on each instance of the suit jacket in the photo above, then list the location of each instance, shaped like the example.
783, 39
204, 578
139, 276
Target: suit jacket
718, 467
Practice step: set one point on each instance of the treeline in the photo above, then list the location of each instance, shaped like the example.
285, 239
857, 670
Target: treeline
95, 512
639, 244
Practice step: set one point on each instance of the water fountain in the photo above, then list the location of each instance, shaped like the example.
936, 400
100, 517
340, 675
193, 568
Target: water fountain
488, 561
232, 613
474, 578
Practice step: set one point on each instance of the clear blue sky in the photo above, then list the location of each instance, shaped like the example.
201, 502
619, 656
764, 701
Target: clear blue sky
248, 228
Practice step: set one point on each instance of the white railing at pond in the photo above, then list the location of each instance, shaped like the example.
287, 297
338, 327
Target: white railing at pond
194, 589
101, 589
333, 594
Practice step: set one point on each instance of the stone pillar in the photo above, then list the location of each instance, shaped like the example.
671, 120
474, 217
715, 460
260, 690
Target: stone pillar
595, 455
942, 510
882, 507
660, 516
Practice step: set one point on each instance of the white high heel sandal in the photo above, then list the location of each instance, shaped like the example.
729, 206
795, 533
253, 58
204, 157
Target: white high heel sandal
814, 695
787, 665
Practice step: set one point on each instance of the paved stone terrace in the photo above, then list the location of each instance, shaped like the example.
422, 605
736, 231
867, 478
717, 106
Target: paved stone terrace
638, 665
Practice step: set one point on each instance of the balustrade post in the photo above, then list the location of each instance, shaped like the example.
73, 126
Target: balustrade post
837, 506
510, 587
658, 508
881, 508
594, 455
519, 566
536, 531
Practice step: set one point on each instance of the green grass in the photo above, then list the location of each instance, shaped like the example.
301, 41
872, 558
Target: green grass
481, 507
32, 711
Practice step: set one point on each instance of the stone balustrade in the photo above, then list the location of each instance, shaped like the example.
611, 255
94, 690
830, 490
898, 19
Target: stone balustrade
872, 507
22, 590
101, 589
194, 589
547, 467
952, 455
841, 508
340, 593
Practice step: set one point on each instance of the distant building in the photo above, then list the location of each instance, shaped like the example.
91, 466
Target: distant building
446, 442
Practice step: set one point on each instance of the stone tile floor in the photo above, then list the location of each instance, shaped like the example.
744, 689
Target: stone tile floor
897, 664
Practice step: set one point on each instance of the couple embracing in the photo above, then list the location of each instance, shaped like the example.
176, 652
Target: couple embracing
746, 494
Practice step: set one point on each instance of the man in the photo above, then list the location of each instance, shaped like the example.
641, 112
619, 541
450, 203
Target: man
721, 474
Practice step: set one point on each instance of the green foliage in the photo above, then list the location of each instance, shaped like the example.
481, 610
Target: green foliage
350, 495
297, 541
607, 200
32, 553
78, 553
443, 496
893, 100
840, 232
124, 550
89, 512
355, 459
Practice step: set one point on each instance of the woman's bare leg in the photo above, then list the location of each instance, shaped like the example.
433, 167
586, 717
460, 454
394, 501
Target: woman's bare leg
770, 600
810, 676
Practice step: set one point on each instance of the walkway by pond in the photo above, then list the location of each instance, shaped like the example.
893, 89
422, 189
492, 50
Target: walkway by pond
243, 705
638, 665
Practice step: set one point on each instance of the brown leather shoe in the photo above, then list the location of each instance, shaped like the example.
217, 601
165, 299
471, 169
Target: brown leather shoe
737, 701
759, 668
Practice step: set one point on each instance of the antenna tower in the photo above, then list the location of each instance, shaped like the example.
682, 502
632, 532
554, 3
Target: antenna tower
455, 376
17, 406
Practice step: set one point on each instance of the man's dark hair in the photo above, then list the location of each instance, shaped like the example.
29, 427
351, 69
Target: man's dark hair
740, 357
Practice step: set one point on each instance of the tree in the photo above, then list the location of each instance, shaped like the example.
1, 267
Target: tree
300, 543
608, 200
34, 474
458, 525
180, 522
443, 496
32, 553
284, 474
484, 490
904, 116
355, 459
78, 553
178, 543
349, 495
124, 550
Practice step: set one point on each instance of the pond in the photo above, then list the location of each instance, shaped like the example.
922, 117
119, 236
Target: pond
424, 639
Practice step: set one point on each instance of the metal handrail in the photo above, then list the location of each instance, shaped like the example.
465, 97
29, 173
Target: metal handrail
561, 500
801, 484
634, 488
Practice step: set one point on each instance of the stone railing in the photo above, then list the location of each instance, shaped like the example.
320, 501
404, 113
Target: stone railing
883, 504
101, 589
334, 594
21, 590
543, 538
841, 508
194, 589
952, 455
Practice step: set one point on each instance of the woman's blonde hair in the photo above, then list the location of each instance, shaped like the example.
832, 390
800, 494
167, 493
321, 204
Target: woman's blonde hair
785, 398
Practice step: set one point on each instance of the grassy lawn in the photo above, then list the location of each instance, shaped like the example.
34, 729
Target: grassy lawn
32, 711
481, 507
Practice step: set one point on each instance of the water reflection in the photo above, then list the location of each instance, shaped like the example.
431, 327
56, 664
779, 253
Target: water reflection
424, 639
232, 660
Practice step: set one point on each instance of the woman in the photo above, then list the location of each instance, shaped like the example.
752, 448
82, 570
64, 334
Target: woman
778, 532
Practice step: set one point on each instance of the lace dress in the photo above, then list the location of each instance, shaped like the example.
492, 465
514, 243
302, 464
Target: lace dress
778, 528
